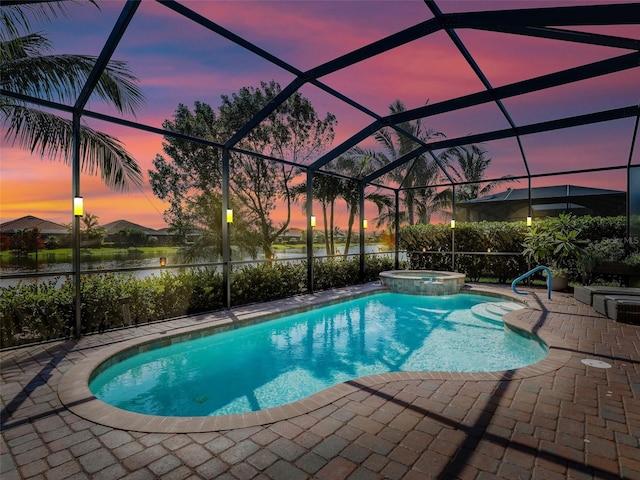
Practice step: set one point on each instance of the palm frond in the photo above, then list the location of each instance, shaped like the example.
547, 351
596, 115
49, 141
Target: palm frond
16, 48
51, 137
16, 18
62, 77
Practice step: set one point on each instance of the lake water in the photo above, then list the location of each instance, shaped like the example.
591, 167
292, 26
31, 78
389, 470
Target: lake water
46, 264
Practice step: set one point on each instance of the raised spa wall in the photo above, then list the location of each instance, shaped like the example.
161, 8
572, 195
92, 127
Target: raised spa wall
422, 282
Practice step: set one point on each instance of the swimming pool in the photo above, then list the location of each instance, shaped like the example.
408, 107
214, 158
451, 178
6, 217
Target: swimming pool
281, 361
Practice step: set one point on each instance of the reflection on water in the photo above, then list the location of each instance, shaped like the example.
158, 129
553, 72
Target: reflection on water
48, 263
284, 360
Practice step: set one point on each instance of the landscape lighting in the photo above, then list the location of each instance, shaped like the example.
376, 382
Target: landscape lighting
78, 206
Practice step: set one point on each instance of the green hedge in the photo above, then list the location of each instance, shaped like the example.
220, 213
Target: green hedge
429, 246
37, 312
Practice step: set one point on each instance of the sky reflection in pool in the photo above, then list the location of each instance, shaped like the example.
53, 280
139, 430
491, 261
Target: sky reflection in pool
284, 360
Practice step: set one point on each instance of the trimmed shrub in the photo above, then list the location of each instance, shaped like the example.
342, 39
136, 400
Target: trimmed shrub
32, 312
482, 248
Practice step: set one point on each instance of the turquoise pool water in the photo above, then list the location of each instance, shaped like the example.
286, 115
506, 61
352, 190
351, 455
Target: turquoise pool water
284, 360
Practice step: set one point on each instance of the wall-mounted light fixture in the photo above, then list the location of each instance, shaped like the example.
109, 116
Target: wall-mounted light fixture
229, 215
163, 261
78, 206
365, 224
453, 223
313, 220
529, 221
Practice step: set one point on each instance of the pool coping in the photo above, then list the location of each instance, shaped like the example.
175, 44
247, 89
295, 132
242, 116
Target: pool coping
75, 395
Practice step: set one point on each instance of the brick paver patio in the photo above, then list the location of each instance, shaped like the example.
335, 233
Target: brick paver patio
569, 421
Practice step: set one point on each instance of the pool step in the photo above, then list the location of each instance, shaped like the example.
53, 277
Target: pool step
494, 310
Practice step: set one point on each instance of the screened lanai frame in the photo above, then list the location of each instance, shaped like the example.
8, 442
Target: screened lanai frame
532, 22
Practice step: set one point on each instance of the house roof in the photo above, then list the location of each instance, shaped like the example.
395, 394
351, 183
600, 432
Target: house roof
540, 193
117, 225
546, 201
28, 222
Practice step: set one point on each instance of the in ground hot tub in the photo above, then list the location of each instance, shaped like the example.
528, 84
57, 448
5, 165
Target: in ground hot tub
423, 282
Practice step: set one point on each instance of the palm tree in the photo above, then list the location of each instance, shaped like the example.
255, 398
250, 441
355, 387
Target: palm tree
358, 163
326, 189
28, 69
420, 203
469, 164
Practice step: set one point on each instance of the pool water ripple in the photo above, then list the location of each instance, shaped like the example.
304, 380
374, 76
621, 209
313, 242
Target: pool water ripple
281, 361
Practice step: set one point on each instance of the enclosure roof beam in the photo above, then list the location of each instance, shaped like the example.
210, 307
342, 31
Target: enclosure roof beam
583, 72
533, 175
104, 58
563, 77
603, 116
480, 74
579, 15
569, 36
223, 32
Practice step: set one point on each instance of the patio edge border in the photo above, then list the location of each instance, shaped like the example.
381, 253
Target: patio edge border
75, 395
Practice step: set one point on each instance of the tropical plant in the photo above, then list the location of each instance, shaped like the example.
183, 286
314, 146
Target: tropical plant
557, 243
29, 69
26, 241
357, 163
326, 189
633, 260
469, 164
90, 229
422, 171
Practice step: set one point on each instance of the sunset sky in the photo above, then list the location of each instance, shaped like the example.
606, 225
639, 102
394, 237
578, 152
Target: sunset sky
177, 61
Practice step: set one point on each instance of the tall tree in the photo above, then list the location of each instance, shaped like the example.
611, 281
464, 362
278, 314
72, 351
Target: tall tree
419, 203
469, 164
29, 69
190, 182
293, 132
327, 189
358, 163
188, 177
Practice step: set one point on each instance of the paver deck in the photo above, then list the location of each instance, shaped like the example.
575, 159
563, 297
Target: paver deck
559, 419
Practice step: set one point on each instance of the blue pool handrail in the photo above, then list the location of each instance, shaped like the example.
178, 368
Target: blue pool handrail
529, 273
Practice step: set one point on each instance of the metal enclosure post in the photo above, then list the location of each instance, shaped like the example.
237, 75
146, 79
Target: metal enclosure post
309, 230
397, 230
628, 198
453, 230
226, 242
92, 81
529, 196
362, 229
75, 178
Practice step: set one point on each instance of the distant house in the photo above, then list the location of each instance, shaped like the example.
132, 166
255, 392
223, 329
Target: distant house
47, 229
116, 228
62, 234
292, 235
513, 204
